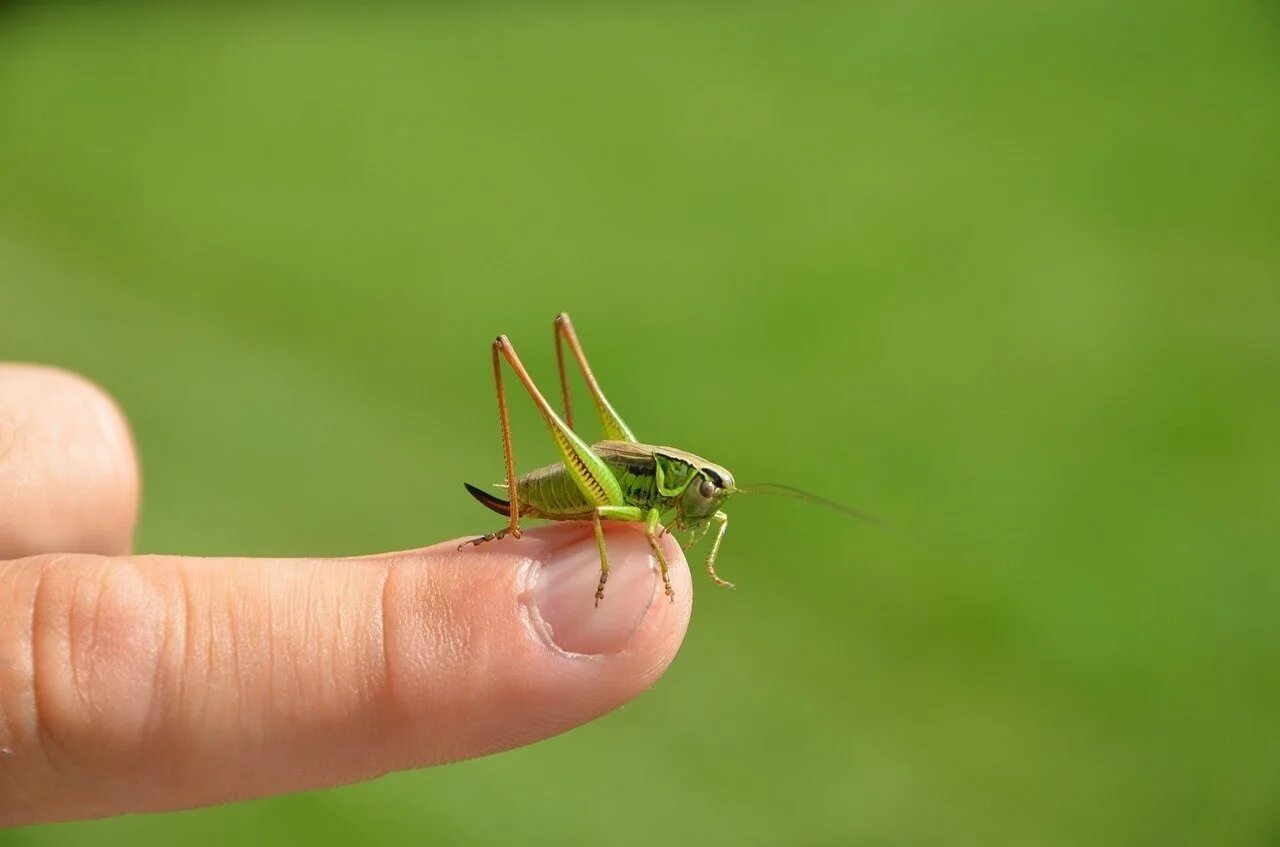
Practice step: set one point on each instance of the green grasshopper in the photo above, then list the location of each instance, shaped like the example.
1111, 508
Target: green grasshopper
617, 479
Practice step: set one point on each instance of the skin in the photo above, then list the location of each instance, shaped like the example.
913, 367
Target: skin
143, 683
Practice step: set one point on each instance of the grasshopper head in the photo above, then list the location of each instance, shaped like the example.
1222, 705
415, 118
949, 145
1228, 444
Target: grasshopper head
704, 495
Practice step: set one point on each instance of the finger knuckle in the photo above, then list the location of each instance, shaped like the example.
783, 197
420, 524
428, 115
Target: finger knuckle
99, 636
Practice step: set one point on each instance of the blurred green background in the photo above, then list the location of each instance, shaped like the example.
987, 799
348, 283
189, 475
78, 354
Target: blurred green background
1006, 273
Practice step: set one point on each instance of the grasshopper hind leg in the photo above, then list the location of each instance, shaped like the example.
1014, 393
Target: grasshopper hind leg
513, 531
604, 558
502, 507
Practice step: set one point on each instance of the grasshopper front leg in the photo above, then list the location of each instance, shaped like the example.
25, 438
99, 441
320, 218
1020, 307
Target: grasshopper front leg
723, 520
699, 532
695, 535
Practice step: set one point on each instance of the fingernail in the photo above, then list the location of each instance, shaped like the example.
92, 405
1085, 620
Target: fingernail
564, 593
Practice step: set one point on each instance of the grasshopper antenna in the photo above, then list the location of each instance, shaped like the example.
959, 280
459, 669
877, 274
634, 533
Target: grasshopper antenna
779, 490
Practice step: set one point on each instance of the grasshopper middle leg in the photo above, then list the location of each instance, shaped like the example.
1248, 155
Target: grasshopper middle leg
651, 532
632, 513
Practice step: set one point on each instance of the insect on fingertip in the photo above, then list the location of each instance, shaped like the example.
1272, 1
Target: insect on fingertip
618, 478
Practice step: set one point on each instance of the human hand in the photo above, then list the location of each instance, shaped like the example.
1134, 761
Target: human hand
145, 683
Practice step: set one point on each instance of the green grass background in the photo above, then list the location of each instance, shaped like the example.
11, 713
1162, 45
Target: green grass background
1007, 273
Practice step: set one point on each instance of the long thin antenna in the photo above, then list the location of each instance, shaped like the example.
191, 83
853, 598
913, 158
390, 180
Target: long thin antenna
780, 490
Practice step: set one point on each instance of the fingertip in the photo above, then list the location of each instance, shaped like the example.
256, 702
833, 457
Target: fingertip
524, 653
581, 608
71, 468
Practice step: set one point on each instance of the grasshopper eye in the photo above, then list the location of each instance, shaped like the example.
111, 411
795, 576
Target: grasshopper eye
707, 489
